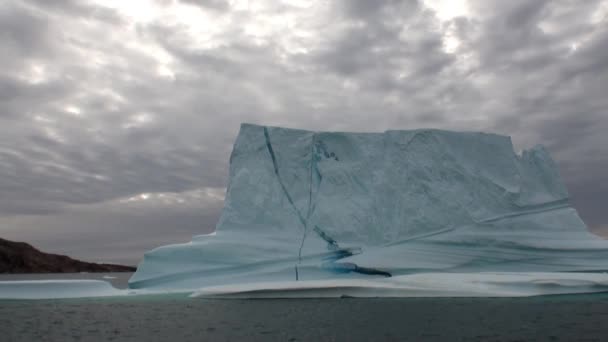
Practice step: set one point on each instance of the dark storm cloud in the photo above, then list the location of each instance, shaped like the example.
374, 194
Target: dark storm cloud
100, 104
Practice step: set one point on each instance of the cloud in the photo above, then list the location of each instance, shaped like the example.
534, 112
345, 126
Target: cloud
219, 5
102, 101
120, 230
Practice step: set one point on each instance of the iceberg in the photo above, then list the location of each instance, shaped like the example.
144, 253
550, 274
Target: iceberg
398, 213
411, 213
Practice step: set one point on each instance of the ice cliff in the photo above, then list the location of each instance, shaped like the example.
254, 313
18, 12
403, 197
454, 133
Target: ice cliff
315, 206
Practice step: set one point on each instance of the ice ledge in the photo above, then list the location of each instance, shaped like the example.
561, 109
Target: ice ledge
421, 285
51, 289
506, 284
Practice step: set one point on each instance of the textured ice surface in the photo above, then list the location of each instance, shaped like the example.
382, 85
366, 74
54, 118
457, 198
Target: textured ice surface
309, 206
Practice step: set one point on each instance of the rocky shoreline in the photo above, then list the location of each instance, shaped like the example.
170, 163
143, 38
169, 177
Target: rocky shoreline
21, 257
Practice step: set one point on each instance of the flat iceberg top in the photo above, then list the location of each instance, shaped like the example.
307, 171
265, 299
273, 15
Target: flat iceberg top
326, 206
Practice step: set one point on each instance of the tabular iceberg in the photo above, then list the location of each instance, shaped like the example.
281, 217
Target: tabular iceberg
367, 210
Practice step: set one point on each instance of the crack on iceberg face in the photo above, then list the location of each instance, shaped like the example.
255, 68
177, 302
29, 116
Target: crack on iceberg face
332, 244
530, 209
276, 172
319, 149
347, 267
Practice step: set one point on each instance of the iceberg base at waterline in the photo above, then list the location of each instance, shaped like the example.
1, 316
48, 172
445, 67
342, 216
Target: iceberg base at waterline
414, 285
57, 289
421, 285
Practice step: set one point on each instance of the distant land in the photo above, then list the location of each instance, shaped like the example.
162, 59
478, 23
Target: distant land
21, 257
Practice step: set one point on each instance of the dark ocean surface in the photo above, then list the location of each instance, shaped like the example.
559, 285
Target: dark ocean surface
179, 318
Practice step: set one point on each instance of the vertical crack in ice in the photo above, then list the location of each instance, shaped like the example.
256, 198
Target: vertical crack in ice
276, 172
311, 206
332, 244
284, 188
317, 148
312, 161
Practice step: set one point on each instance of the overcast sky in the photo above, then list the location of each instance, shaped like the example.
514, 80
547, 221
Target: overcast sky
117, 117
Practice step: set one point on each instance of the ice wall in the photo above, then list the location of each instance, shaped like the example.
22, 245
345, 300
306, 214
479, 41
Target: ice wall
304, 205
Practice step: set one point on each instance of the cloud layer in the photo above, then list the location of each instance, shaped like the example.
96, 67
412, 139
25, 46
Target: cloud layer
108, 104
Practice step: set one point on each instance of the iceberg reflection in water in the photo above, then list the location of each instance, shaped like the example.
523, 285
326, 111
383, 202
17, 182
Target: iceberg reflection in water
399, 213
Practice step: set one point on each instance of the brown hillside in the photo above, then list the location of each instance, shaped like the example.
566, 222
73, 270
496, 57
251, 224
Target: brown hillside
20, 257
